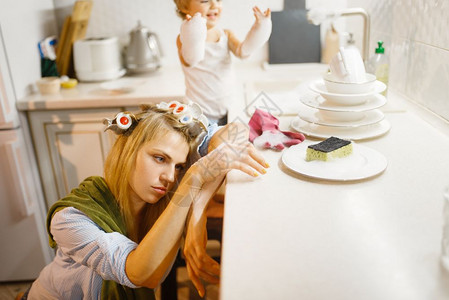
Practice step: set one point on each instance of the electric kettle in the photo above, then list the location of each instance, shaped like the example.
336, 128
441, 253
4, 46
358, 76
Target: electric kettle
142, 54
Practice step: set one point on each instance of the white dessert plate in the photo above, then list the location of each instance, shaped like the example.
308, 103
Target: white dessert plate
363, 163
314, 116
317, 101
349, 133
346, 99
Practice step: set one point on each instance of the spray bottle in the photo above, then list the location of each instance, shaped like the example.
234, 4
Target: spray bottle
378, 65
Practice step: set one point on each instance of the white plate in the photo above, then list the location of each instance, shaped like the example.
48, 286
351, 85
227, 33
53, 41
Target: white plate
317, 101
359, 119
346, 99
364, 162
349, 133
121, 86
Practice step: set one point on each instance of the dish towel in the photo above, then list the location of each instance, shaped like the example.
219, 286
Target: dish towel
264, 132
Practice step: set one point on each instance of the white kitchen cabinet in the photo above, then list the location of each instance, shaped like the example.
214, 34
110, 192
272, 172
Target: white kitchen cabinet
70, 145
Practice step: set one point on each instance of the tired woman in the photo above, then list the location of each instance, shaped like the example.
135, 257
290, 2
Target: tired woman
116, 236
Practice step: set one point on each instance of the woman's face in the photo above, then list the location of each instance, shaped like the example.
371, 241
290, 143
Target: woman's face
209, 9
158, 164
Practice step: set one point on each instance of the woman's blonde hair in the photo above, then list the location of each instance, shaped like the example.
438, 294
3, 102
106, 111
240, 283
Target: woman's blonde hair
182, 5
153, 124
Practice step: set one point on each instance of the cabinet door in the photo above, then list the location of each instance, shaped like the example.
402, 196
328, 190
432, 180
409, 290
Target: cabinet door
71, 145
8, 114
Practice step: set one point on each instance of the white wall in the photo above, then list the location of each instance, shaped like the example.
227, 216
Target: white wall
119, 17
414, 31
416, 38
24, 23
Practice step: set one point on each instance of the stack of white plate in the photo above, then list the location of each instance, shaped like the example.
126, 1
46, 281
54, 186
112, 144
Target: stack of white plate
347, 110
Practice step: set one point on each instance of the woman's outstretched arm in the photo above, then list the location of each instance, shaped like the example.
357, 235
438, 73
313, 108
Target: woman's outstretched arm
147, 264
199, 264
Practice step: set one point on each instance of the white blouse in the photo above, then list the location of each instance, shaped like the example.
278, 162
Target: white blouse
86, 256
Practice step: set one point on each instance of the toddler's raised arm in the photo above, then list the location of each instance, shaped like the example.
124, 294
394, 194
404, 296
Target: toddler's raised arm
258, 34
193, 39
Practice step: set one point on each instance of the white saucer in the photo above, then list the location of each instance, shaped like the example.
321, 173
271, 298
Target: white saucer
346, 99
314, 116
349, 133
364, 162
317, 101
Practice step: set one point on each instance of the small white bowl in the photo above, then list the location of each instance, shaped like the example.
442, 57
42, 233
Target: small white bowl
49, 85
340, 87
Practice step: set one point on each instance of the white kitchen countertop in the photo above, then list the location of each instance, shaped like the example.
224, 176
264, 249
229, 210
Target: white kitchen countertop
166, 84
287, 236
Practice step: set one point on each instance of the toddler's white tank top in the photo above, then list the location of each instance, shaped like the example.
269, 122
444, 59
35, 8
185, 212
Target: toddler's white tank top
210, 83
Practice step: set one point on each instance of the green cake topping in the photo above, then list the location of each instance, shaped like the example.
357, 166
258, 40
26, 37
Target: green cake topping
330, 144
329, 149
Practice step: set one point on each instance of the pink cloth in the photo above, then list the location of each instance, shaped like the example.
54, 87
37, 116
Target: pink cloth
264, 121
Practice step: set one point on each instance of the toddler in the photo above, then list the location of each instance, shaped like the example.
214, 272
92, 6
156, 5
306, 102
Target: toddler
204, 51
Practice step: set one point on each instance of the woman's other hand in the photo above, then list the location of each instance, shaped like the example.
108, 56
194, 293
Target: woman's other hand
199, 264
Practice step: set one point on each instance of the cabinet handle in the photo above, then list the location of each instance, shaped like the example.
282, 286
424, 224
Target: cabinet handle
18, 161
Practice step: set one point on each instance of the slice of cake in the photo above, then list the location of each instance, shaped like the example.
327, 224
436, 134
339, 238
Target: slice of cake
329, 149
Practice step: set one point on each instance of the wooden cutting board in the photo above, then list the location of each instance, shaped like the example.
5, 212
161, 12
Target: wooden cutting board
74, 28
293, 38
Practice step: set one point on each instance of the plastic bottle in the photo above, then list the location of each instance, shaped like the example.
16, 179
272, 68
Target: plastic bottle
331, 45
378, 65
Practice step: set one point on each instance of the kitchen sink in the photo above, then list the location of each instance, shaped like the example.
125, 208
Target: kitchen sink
279, 97
280, 90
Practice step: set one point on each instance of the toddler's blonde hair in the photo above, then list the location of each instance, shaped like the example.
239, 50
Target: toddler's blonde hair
182, 5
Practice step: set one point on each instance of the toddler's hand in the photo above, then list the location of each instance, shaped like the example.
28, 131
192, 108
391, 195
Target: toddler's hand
193, 29
259, 33
193, 39
260, 16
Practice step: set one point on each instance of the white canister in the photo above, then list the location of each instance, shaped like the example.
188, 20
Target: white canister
97, 59
445, 238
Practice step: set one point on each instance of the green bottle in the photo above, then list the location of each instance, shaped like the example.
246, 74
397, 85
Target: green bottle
378, 65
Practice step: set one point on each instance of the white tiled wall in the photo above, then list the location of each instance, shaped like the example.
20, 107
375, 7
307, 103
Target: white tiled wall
24, 23
415, 33
417, 40
119, 17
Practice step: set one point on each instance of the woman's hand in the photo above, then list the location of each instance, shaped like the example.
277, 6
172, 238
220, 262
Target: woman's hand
199, 264
228, 149
229, 156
